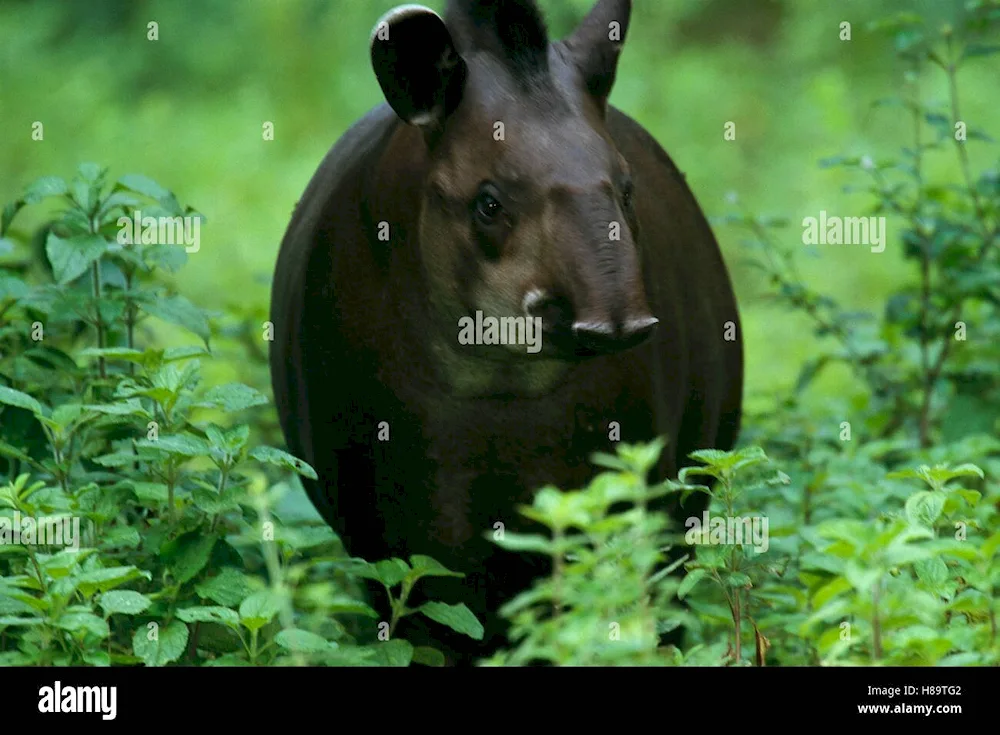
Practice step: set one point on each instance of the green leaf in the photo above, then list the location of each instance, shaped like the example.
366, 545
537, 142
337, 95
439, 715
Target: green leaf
933, 573
103, 580
279, 458
167, 644
457, 617
178, 310
979, 49
827, 592
13, 288
395, 652
228, 659
861, 579
162, 255
344, 605
72, 257
924, 508
91, 173
131, 407
259, 609
229, 587
428, 656
96, 658
970, 496
971, 601
125, 602
9, 212
965, 470
193, 553
689, 581
302, 641
738, 579
145, 186
392, 571
209, 614
12, 397
425, 566
82, 623
66, 414
211, 502
991, 545
59, 565
115, 353
125, 537
181, 445
235, 397
307, 537
46, 186
523, 542
117, 459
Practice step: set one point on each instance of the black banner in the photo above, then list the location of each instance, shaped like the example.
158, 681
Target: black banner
715, 696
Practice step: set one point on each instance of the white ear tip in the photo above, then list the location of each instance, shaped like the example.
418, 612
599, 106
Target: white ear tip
397, 14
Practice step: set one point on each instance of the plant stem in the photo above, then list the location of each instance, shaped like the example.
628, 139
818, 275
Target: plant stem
988, 235
223, 478
876, 624
38, 569
737, 615
558, 568
171, 481
129, 317
95, 279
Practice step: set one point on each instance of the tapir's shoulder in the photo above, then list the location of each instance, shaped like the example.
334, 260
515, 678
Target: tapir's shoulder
335, 186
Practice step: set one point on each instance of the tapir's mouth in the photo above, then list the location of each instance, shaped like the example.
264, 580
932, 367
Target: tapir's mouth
549, 329
585, 340
570, 336
568, 344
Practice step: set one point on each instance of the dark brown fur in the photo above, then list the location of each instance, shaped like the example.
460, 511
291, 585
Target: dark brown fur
358, 322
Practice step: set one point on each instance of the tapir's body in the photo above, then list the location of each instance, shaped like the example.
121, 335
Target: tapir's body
422, 444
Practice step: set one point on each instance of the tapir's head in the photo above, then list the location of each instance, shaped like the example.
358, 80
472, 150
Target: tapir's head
527, 208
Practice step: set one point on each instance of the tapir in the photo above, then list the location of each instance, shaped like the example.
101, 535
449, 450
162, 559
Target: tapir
495, 186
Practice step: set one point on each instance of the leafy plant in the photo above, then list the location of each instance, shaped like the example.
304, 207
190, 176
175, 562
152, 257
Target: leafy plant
154, 524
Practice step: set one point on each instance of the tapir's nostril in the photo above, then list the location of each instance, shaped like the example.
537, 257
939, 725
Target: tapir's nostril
604, 337
556, 312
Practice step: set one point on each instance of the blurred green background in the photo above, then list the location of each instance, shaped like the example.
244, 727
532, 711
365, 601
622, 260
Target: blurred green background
187, 110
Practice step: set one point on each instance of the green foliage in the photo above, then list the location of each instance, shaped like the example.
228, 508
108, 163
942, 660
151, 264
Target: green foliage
148, 521
881, 536
880, 543
606, 601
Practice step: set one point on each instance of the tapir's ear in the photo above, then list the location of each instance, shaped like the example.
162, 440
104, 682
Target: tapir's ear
417, 64
597, 43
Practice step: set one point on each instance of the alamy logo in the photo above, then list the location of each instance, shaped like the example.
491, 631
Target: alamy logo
59, 698
507, 330
833, 230
716, 530
139, 230
42, 531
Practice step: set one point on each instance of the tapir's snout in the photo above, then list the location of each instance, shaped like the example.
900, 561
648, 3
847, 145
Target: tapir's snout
584, 335
607, 337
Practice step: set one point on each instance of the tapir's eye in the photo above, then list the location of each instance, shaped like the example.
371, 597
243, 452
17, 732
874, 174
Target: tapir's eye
488, 207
